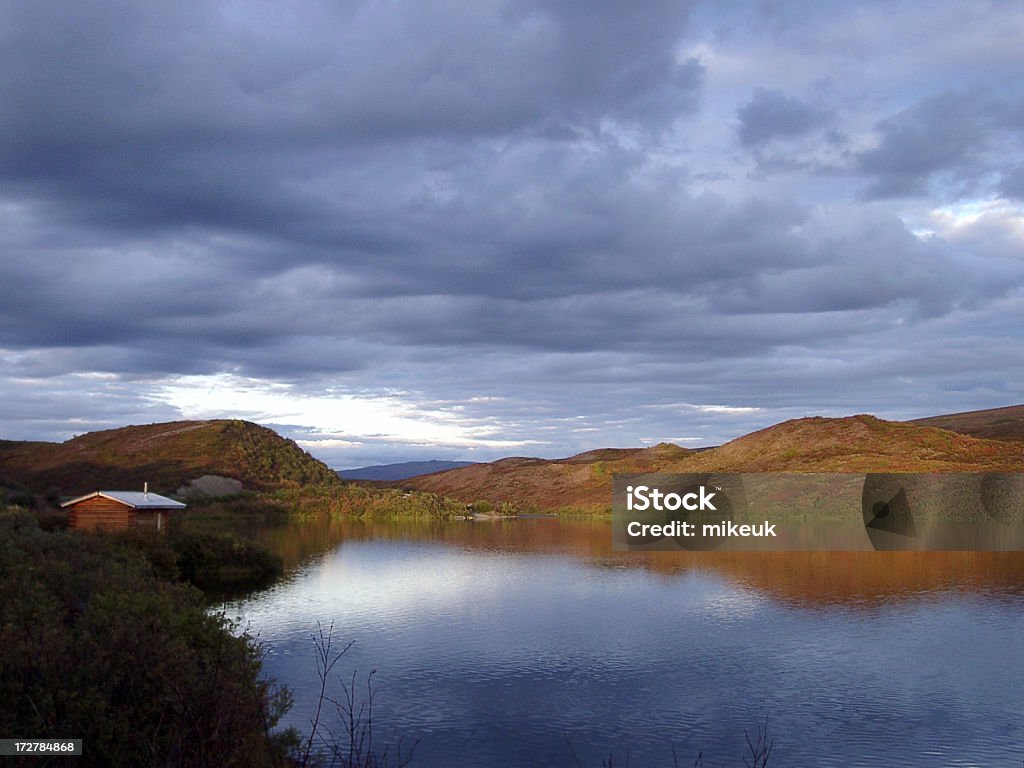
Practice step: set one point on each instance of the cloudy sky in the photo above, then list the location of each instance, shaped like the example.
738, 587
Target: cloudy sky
432, 229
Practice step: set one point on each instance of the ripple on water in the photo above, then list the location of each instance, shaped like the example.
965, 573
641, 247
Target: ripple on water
499, 657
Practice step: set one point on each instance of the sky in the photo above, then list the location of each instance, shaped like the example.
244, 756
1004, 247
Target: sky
401, 230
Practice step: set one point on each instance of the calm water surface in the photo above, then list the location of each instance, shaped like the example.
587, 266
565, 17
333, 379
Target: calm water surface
502, 644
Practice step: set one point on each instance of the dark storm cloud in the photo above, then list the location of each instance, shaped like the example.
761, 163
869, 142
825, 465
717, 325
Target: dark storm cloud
605, 63
770, 114
188, 113
529, 214
948, 132
305, 133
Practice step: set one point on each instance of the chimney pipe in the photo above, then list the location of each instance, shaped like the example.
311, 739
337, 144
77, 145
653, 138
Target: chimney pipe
145, 489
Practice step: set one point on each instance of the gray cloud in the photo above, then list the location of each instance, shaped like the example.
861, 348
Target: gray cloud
529, 215
1013, 183
770, 114
944, 133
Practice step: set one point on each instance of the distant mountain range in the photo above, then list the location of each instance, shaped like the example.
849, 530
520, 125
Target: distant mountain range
171, 455
400, 471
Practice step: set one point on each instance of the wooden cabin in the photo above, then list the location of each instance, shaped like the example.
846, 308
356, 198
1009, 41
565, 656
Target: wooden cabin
117, 510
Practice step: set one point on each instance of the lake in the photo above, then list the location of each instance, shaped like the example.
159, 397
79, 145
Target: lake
529, 642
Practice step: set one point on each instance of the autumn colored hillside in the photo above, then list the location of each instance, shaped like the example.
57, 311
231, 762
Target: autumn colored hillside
582, 480
993, 423
165, 455
169, 455
857, 444
852, 444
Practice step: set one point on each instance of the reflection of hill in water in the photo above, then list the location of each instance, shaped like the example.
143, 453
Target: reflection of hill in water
854, 579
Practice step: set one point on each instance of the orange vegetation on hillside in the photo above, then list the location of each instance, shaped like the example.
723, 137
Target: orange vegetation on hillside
852, 444
164, 455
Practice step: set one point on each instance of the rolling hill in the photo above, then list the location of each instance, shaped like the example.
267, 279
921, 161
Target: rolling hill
852, 444
857, 444
993, 423
582, 480
170, 455
166, 455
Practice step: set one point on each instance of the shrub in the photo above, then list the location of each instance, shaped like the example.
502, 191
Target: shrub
94, 645
17, 494
218, 560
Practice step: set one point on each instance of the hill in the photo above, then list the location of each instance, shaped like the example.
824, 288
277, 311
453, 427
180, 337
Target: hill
851, 444
993, 423
401, 470
166, 456
583, 480
857, 444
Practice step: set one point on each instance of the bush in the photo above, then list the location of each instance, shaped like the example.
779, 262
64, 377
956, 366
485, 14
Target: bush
155, 549
52, 496
361, 501
17, 494
218, 560
94, 645
245, 504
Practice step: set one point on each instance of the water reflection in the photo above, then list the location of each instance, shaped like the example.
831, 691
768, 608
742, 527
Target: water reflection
500, 643
812, 578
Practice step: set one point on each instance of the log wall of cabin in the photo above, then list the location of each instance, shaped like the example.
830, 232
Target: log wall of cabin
100, 512
155, 519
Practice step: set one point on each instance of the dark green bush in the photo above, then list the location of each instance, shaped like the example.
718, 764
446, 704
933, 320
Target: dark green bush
52, 496
17, 494
217, 560
154, 547
94, 645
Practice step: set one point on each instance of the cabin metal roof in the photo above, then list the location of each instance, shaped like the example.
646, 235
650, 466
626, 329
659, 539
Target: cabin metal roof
134, 499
